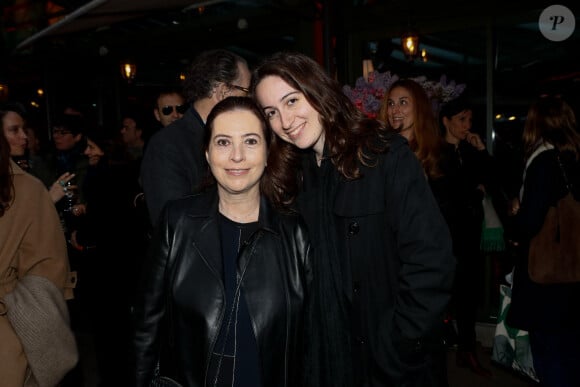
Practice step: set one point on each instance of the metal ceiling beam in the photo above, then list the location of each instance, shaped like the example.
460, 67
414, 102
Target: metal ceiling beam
65, 20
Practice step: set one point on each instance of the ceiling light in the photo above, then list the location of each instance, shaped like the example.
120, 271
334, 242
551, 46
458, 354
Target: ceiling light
3, 91
128, 71
410, 44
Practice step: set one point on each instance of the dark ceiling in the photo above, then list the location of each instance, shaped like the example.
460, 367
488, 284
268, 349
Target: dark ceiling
161, 36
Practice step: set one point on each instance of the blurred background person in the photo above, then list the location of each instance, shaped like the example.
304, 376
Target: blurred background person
549, 312
406, 110
169, 106
133, 133
106, 234
15, 132
468, 169
13, 126
34, 273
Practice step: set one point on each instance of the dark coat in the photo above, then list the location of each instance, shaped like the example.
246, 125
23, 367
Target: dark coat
535, 306
459, 197
174, 164
396, 250
186, 250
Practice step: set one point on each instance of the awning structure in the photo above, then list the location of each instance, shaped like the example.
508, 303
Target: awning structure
102, 13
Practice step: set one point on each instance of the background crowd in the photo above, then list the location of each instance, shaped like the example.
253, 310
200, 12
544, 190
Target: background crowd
374, 226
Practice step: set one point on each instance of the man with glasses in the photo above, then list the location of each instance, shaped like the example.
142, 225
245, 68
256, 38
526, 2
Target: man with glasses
174, 164
169, 106
68, 155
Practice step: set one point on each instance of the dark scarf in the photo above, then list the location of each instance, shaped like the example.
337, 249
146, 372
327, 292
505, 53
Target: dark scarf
328, 345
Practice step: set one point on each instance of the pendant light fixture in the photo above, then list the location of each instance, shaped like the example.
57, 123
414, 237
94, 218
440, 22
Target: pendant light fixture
410, 44
128, 70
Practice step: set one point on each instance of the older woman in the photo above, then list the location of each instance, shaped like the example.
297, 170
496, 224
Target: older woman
228, 270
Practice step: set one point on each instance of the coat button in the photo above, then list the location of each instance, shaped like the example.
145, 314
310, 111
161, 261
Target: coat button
356, 286
353, 228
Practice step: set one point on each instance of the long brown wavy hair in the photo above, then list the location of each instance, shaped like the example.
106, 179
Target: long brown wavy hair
350, 137
550, 119
426, 141
6, 178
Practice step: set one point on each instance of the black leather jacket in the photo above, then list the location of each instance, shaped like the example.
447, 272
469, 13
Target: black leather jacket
185, 257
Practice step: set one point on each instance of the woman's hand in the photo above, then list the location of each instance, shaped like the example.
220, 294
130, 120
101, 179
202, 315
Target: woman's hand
59, 188
475, 141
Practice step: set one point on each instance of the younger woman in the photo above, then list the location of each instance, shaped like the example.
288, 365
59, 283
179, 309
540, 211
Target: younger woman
383, 265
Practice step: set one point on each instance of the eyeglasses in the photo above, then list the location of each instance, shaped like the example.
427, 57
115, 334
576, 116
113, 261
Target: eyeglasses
60, 132
241, 88
167, 110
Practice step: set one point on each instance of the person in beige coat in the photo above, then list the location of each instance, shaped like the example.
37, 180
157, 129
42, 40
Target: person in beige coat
37, 347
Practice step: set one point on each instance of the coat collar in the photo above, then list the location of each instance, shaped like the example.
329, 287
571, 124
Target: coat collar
16, 170
207, 239
207, 207
191, 115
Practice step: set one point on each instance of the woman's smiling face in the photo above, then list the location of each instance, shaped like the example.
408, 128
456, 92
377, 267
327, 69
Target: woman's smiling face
290, 114
237, 152
401, 111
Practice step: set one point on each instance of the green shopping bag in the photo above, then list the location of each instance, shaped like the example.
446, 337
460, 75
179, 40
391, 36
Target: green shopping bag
492, 239
511, 347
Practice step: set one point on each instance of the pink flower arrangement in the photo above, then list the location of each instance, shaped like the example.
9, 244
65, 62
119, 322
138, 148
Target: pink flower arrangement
367, 94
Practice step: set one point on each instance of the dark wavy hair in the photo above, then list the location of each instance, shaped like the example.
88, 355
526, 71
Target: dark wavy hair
351, 138
6, 178
426, 141
550, 119
209, 68
270, 185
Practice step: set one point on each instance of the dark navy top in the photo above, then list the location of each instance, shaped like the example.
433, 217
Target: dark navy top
235, 354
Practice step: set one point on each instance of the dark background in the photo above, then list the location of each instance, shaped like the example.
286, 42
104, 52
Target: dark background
73, 49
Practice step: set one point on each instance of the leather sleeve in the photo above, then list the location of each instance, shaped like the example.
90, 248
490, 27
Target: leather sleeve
151, 304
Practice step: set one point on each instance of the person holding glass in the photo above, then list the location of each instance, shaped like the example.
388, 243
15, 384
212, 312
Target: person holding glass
228, 271
14, 129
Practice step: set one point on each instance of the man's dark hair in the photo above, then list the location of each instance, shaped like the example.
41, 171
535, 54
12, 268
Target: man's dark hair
74, 123
12, 106
209, 68
168, 90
